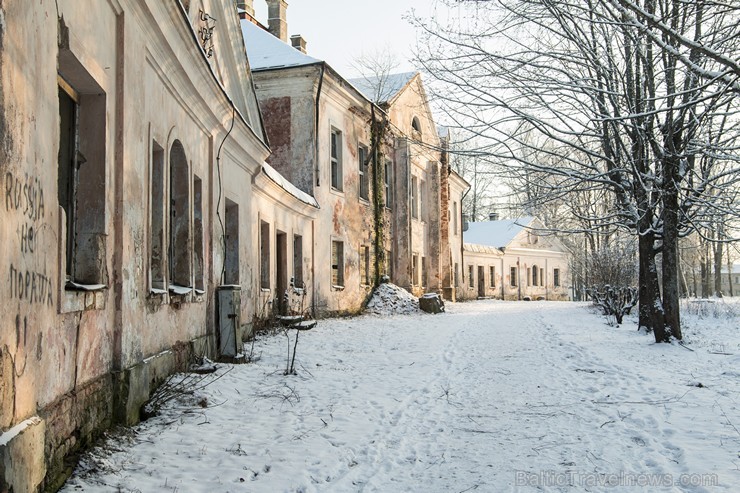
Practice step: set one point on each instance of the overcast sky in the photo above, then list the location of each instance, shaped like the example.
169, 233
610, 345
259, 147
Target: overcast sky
339, 31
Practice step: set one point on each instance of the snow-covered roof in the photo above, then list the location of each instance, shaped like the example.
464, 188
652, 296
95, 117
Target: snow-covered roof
390, 85
265, 51
286, 185
497, 234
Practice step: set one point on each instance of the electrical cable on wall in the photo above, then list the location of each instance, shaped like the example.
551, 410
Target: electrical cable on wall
220, 192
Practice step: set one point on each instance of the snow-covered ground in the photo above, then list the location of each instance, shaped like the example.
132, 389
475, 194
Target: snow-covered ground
491, 396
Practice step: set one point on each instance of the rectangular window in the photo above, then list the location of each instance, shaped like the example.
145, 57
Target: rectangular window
364, 174
81, 174
492, 274
471, 276
337, 263
198, 233
415, 270
424, 272
556, 277
414, 194
365, 264
542, 276
336, 159
389, 264
264, 255
156, 219
457, 275
388, 184
513, 275
298, 261
529, 276
231, 243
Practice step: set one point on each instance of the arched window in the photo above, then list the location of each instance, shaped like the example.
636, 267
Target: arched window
415, 125
535, 273
179, 216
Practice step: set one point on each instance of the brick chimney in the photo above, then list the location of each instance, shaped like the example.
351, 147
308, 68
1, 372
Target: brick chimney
277, 22
247, 6
298, 43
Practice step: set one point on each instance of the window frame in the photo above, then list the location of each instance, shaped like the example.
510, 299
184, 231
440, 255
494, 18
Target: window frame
364, 172
337, 264
335, 153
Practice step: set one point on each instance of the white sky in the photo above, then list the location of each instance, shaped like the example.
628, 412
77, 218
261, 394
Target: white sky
339, 31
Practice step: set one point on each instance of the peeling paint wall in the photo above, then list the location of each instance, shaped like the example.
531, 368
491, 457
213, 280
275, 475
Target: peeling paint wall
73, 360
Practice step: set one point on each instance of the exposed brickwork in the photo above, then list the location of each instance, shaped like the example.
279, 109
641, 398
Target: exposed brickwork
276, 112
73, 423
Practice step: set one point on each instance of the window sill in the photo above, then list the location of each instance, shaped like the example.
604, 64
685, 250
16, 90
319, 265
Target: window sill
336, 191
79, 299
336, 287
364, 201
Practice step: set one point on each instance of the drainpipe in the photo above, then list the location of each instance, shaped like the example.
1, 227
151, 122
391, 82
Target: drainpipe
317, 132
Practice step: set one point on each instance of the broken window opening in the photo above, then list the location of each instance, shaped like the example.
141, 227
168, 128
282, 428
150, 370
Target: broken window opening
364, 173
81, 173
264, 255
156, 219
180, 235
231, 243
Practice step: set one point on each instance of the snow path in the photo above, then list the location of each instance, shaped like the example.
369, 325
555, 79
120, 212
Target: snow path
454, 402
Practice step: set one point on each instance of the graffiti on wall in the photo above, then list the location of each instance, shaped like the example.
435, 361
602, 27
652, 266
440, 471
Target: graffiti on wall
24, 197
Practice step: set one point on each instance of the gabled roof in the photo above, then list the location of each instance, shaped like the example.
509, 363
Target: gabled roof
382, 88
265, 51
497, 234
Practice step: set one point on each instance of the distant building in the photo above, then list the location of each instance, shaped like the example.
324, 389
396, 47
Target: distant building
513, 259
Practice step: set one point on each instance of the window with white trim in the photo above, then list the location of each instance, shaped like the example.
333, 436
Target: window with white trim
336, 160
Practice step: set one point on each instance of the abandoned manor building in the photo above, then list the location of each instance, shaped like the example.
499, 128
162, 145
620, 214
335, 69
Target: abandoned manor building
169, 170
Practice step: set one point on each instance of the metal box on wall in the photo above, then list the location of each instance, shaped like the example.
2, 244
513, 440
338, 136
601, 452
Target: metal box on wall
229, 307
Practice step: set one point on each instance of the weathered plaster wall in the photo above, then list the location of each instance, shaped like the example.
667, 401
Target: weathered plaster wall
72, 362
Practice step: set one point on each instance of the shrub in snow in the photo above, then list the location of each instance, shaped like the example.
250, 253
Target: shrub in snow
389, 299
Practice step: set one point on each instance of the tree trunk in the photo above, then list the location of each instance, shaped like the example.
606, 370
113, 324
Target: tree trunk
651, 308
671, 308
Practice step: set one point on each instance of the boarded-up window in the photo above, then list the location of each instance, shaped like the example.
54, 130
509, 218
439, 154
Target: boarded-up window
424, 272
471, 276
457, 275
337, 263
492, 275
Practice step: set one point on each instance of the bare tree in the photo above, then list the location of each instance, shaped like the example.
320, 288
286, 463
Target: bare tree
625, 102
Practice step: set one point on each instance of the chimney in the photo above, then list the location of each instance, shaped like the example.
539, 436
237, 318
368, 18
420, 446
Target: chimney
493, 216
298, 43
246, 6
276, 19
